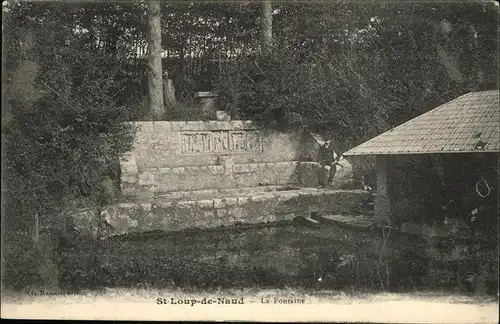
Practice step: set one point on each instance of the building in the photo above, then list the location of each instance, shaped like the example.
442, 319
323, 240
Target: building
441, 165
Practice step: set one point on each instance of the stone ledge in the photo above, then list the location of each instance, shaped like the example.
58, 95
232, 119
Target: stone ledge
262, 197
225, 202
206, 203
167, 126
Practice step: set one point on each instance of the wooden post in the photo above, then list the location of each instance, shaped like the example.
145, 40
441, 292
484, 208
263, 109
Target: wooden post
382, 198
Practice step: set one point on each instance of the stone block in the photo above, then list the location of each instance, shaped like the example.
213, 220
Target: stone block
194, 126
146, 207
218, 221
177, 126
126, 206
225, 202
253, 167
129, 178
238, 214
128, 190
213, 169
144, 126
262, 197
127, 162
237, 124
243, 200
173, 195
164, 171
219, 203
133, 223
271, 218
208, 214
163, 204
178, 170
224, 125
201, 193
185, 204
146, 178
204, 223
210, 125
206, 203
225, 221
286, 196
231, 201
221, 212
162, 127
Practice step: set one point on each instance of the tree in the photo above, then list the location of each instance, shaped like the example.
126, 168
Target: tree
267, 23
64, 132
155, 75
358, 69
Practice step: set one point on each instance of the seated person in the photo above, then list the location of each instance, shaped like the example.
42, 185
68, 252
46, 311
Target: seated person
328, 160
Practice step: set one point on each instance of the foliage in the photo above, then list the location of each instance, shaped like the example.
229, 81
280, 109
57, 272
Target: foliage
62, 135
199, 34
63, 129
360, 69
368, 60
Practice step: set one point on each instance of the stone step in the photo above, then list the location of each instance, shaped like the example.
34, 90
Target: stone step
360, 222
212, 193
307, 221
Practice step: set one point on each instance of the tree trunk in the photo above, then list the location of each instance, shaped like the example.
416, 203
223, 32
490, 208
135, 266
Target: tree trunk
155, 83
267, 24
36, 231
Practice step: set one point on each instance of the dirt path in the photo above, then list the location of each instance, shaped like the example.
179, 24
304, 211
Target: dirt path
283, 306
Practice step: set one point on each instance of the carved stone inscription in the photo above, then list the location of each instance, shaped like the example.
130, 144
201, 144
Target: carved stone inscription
210, 142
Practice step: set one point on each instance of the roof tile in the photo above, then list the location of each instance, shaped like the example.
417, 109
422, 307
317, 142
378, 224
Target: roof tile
469, 123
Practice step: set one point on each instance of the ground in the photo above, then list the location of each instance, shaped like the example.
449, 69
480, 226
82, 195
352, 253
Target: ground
320, 305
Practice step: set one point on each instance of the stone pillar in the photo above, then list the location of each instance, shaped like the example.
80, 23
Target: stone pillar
206, 100
169, 100
382, 199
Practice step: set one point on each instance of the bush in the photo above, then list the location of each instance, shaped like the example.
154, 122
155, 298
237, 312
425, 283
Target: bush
26, 267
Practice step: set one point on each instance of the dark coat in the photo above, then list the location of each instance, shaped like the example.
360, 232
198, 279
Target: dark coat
326, 155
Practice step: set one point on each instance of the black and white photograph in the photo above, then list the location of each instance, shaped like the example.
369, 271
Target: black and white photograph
263, 160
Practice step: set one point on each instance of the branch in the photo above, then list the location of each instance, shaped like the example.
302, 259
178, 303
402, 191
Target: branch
258, 67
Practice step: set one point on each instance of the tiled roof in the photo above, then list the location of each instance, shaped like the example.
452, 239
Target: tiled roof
469, 123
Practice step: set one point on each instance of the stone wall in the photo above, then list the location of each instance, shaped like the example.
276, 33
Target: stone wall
162, 180
193, 155
203, 174
211, 209
169, 144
